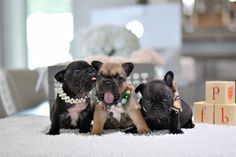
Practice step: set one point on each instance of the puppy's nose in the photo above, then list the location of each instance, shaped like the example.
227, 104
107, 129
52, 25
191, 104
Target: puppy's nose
108, 83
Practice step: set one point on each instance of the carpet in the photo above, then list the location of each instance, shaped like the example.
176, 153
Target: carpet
24, 136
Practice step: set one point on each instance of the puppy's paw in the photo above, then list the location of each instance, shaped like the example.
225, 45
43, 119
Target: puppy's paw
192, 125
176, 131
53, 132
143, 130
96, 132
189, 125
132, 130
84, 131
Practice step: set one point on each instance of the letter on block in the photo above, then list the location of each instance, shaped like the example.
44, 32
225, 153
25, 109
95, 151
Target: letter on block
225, 114
220, 92
203, 112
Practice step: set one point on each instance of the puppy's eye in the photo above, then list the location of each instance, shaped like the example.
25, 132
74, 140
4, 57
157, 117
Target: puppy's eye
158, 107
99, 77
148, 102
90, 70
120, 79
76, 72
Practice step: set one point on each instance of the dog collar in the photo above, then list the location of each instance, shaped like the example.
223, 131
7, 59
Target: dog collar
67, 99
121, 102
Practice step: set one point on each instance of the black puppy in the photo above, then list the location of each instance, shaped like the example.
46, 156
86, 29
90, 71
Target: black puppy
72, 106
157, 104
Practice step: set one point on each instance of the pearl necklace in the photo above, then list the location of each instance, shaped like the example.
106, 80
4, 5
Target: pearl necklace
67, 99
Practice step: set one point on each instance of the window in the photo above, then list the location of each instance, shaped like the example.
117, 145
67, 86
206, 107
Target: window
49, 32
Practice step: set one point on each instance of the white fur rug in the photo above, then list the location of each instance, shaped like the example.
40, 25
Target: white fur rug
25, 136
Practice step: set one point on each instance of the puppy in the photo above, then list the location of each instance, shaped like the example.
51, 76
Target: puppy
160, 106
115, 107
72, 106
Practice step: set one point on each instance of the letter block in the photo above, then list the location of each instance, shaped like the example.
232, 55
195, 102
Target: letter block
225, 114
203, 112
220, 92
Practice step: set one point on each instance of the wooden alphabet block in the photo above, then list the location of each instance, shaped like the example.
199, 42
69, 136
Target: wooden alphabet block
220, 92
203, 112
225, 114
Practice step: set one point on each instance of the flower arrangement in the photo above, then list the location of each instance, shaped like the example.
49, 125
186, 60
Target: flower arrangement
104, 40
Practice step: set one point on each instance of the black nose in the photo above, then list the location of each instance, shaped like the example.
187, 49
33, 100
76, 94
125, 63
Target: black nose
108, 83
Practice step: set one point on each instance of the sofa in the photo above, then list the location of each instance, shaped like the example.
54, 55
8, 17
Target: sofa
18, 91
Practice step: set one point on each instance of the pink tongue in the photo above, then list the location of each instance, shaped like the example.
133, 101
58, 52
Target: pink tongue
93, 78
108, 97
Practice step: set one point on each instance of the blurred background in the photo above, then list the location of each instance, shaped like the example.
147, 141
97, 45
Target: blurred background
195, 38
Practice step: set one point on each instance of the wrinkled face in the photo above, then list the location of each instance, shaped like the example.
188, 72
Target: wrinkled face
78, 76
111, 80
157, 99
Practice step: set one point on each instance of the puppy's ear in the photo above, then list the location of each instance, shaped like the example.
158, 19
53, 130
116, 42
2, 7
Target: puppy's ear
169, 77
60, 76
139, 88
97, 65
128, 67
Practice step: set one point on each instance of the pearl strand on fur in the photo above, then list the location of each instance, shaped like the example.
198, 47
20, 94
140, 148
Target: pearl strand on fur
67, 99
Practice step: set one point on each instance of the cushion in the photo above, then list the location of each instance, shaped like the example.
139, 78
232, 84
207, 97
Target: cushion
17, 91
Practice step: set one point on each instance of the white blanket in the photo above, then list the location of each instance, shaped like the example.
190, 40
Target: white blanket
25, 136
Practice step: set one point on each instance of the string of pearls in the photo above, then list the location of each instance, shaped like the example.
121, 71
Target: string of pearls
67, 99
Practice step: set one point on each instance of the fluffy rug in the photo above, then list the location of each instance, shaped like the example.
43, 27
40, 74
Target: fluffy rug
25, 136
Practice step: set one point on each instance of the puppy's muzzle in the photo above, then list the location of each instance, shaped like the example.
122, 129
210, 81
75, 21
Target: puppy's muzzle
108, 83
109, 90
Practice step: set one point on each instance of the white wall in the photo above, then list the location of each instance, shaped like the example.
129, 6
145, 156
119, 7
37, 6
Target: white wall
13, 48
83, 8
157, 34
1, 34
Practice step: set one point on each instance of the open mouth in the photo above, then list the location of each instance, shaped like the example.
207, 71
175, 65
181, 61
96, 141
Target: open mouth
108, 97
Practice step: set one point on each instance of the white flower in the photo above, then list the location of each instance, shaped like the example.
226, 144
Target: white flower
106, 40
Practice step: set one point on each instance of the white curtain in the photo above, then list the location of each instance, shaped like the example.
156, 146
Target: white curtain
13, 46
